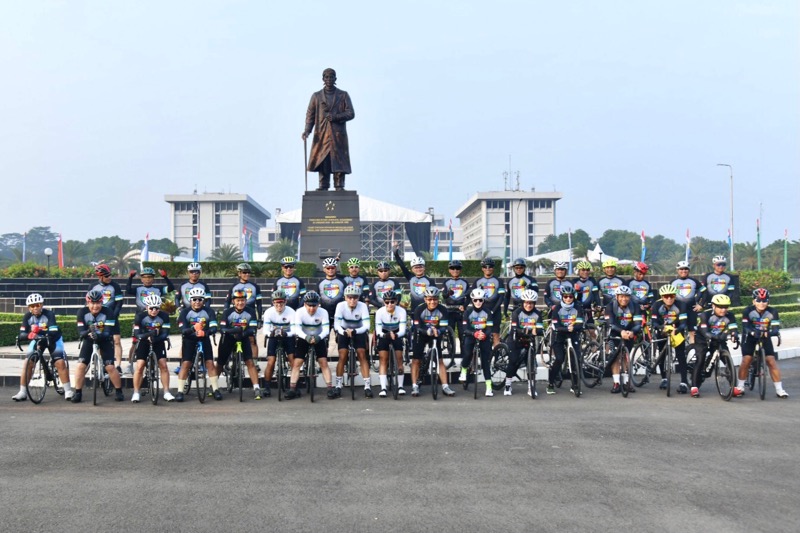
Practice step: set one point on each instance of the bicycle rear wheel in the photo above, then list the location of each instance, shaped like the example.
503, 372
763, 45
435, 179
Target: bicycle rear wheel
574, 369
669, 364
624, 369
152, 369
240, 370
96, 377
724, 373
374, 357
641, 361
280, 372
36, 383
531, 370
200, 379
474, 366
351, 371
762, 373
449, 346
393, 373
434, 372
311, 373
591, 370
499, 365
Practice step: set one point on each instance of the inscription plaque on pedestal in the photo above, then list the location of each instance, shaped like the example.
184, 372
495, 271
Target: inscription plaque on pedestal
330, 225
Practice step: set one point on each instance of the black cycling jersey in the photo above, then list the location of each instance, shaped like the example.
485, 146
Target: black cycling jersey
189, 317
565, 316
515, 287
641, 293
294, 288
552, 291
416, 284
425, 318
112, 295
717, 284
662, 315
476, 319
494, 292
587, 292
361, 283
456, 291
46, 322
381, 287
141, 292
689, 291
143, 324
238, 323
103, 322
717, 328
607, 287
621, 319
184, 289
756, 323
253, 293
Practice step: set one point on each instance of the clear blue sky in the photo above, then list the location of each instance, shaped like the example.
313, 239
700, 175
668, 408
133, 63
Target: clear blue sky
630, 105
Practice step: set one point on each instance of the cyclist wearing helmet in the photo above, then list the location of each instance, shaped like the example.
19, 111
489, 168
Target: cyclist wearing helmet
455, 298
567, 317
518, 284
625, 322
196, 324
477, 326
239, 324
253, 300
418, 282
354, 278
293, 287
494, 295
95, 323
689, 296
608, 284
716, 327
390, 329
311, 327
641, 292
331, 288
666, 319
152, 324
351, 322
586, 292
112, 299
37, 323
148, 276
759, 320
278, 331
430, 321
718, 282
194, 270
382, 285
526, 327
552, 291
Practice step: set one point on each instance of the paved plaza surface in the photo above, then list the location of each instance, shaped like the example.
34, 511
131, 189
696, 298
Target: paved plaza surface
645, 463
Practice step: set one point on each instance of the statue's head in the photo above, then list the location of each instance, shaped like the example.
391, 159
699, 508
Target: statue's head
329, 77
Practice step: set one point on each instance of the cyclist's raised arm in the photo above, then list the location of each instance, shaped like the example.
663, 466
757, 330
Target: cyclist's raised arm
399, 260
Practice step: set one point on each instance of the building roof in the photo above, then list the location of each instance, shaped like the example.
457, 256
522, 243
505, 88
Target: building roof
369, 210
507, 195
217, 197
593, 256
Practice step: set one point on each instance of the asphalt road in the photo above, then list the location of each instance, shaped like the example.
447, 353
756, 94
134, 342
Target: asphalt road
645, 463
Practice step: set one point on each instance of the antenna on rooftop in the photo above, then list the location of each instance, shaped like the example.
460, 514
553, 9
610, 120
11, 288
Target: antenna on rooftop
510, 175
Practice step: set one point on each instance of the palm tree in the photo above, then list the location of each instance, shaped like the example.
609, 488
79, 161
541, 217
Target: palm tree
124, 258
282, 248
226, 252
75, 253
174, 250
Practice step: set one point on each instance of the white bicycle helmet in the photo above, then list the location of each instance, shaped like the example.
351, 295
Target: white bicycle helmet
153, 300
197, 292
352, 290
34, 298
560, 265
329, 262
431, 292
477, 294
417, 261
682, 264
719, 259
194, 266
529, 295
622, 290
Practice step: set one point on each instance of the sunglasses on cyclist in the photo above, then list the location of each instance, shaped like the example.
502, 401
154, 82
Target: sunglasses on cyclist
311, 304
351, 297
762, 300
198, 299
477, 299
151, 308
568, 296
669, 297
383, 270
387, 302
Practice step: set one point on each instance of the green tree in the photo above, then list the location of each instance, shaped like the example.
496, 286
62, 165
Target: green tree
75, 253
226, 252
125, 256
621, 243
282, 248
101, 248
554, 243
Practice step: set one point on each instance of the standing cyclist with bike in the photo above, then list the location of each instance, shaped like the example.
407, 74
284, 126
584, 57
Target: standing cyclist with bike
688, 297
430, 321
311, 327
517, 285
112, 299
477, 325
39, 321
625, 321
494, 295
667, 315
455, 300
718, 282
152, 323
526, 327
567, 316
351, 322
197, 324
238, 324
278, 331
96, 323
716, 327
185, 301
607, 285
390, 328
253, 300
382, 285
552, 291
587, 293
760, 321
293, 287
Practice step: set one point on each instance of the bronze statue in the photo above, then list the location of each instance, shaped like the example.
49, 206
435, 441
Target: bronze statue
329, 110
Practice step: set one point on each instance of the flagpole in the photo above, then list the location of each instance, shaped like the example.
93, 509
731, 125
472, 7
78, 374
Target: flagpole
758, 243
786, 250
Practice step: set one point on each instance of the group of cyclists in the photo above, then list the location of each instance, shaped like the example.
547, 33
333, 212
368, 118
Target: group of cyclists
693, 314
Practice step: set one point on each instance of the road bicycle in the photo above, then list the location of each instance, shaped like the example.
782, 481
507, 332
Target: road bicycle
573, 365
198, 374
151, 377
311, 371
96, 371
595, 353
646, 357
430, 365
757, 373
625, 368
41, 371
721, 365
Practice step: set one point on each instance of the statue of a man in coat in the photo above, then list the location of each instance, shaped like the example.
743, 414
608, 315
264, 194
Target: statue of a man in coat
327, 115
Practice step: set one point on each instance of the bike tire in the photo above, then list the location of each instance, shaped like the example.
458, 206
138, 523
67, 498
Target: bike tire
36, 382
473, 370
433, 369
499, 364
641, 359
624, 369
240, 366
669, 358
531, 370
108, 387
200, 378
96, 380
280, 373
449, 345
152, 368
724, 374
374, 356
351, 371
575, 369
591, 370
311, 373
393, 374
762, 373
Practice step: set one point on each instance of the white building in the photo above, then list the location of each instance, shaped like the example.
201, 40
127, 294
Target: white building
507, 223
218, 218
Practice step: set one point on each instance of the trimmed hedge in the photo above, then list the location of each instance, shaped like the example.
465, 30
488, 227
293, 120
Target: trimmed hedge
774, 280
34, 270
69, 329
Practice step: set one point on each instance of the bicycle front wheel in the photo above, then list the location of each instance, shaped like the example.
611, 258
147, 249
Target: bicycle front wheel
669, 358
640, 361
625, 369
499, 365
96, 376
351, 371
200, 380
591, 370
152, 369
762, 373
724, 374
574, 369
240, 370
311, 373
280, 373
374, 357
393, 382
36, 383
531, 368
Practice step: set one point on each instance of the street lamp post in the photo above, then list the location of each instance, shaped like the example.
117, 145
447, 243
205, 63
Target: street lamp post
731, 170
48, 252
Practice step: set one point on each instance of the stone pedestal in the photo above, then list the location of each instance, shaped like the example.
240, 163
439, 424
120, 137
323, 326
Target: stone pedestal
330, 224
